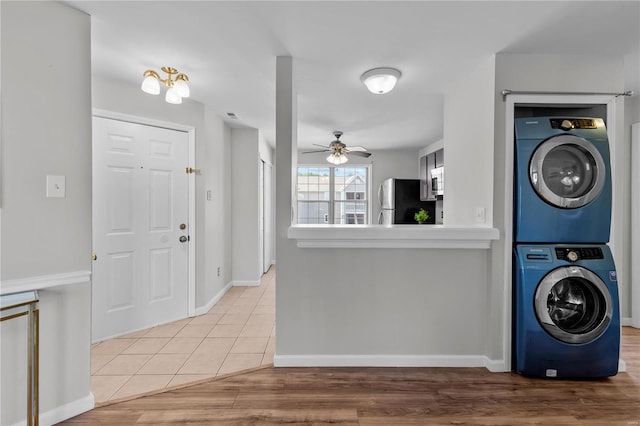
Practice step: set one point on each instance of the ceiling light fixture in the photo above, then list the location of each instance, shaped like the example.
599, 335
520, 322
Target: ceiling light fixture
380, 80
177, 87
337, 158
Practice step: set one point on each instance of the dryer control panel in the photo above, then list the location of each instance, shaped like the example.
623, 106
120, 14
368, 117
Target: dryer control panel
573, 123
573, 254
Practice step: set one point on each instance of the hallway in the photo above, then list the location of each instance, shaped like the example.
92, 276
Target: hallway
238, 333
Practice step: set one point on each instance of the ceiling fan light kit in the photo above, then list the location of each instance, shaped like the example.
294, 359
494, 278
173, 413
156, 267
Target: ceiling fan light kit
380, 80
337, 158
339, 151
177, 88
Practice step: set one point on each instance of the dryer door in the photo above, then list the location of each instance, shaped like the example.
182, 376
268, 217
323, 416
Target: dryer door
567, 171
573, 304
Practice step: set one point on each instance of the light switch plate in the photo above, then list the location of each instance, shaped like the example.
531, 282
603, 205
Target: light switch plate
56, 187
480, 215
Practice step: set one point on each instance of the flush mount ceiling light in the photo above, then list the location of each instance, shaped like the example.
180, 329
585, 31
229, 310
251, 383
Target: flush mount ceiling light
380, 80
177, 87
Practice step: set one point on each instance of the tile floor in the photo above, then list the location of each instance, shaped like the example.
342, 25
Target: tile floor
238, 333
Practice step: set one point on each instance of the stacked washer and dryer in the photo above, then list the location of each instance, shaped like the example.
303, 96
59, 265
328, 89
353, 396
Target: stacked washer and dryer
566, 321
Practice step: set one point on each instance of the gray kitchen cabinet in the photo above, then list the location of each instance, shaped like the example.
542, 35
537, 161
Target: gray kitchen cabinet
432, 176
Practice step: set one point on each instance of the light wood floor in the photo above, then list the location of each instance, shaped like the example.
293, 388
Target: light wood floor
390, 396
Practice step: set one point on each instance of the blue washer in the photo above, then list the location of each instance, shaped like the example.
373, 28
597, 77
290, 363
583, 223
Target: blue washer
565, 312
562, 181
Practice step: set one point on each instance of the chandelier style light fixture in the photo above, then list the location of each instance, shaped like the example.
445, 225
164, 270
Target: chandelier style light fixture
337, 158
177, 88
380, 80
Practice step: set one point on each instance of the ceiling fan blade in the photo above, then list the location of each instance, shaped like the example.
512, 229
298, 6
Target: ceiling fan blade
360, 154
320, 150
323, 146
356, 148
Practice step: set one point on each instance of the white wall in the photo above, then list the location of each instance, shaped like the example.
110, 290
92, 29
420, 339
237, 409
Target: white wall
46, 129
214, 230
213, 153
468, 142
398, 304
45, 132
245, 157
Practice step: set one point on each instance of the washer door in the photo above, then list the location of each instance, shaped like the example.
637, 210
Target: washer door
567, 171
573, 304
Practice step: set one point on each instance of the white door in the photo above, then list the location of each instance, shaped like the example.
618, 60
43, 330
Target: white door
140, 216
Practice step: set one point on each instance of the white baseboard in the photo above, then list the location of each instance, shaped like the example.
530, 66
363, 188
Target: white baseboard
64, 412
246, 283
622, 366
215, 299
387, 361
496, 365
626, 322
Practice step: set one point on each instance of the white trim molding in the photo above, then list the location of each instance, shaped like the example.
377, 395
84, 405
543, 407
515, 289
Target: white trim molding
44, 281
215, 299
394, 236
388, 361
64, 412
622, 366
635, 225
245, 283
510, 104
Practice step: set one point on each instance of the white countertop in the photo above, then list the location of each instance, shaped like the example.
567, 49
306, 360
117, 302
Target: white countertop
393, 236
44, 281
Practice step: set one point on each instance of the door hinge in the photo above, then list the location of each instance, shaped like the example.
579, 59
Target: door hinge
191, 170
94, 256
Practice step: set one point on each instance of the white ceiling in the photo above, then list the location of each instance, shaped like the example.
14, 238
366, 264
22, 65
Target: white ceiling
228, 50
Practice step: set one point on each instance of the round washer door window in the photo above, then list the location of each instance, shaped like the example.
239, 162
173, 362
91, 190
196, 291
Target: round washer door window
573, 304
567, 171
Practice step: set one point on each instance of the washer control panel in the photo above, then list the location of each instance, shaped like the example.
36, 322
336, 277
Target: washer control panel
573, 254
573, 123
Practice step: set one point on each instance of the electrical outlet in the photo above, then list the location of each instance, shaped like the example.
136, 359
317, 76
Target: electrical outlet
480, 215
218, 271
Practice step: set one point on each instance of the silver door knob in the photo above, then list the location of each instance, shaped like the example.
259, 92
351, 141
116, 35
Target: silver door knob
183, 239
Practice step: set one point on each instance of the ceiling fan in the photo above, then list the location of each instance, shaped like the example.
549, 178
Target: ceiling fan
339, 150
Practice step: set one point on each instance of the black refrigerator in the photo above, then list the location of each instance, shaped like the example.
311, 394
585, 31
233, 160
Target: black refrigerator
400, 200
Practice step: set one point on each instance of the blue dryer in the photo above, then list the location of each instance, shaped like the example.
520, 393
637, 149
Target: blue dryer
566, 311
562, 181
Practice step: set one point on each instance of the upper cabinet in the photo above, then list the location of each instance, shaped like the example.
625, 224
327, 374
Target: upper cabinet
432, 176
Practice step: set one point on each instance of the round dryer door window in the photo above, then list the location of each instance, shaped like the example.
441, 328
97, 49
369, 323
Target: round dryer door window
567, 171
573, 304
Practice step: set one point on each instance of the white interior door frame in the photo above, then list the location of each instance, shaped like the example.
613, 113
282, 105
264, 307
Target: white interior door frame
261, 228
635, 224
615, 115
191, 131
267, 215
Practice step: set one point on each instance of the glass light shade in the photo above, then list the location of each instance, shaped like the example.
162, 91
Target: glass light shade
151, 85
172, 96
337, 158
182, 88
380, 80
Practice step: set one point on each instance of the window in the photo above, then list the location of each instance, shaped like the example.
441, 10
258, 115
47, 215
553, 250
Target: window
355, 195
333, 194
